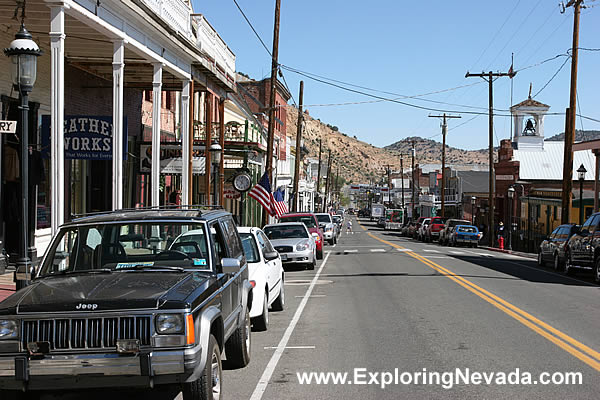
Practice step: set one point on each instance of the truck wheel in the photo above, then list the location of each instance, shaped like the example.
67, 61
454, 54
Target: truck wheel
208, 386
279, 302
237, 347
261, 323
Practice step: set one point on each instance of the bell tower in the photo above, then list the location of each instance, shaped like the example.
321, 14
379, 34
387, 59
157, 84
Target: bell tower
528, 123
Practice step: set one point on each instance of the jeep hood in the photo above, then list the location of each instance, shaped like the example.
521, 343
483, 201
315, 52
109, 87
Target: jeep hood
105, 292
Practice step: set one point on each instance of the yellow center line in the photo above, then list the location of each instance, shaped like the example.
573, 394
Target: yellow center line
567, 343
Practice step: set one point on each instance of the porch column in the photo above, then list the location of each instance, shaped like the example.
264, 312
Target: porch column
222, 144
596, 178
57, 117
185, 141
156, 108
117, 156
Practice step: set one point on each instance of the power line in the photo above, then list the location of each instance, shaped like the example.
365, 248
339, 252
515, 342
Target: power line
553, 76
252, 27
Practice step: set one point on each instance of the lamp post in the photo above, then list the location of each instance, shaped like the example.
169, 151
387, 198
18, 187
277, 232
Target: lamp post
23, 53
473, 199
511, 196
581, 174
216, 153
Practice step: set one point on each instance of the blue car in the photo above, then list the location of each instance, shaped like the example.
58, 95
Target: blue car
465, 234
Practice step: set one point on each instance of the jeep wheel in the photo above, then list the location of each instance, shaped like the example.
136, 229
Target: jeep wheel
261, 323
279, 302
208, 386
237, 348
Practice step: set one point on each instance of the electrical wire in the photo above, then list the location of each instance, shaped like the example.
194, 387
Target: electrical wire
551, 79
252, 27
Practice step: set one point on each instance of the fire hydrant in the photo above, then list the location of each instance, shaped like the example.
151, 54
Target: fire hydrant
501, 242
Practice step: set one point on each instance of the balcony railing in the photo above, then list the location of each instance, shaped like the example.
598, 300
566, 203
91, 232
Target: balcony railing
211, 43
176, 13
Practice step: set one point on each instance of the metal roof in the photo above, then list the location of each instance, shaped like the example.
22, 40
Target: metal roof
547, 163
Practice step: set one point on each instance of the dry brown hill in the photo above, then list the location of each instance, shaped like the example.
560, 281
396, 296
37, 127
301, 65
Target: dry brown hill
360, 161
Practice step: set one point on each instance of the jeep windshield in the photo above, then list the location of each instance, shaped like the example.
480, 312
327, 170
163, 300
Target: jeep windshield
135, 246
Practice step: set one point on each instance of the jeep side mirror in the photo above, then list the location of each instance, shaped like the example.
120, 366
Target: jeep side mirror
271, 255
230, 265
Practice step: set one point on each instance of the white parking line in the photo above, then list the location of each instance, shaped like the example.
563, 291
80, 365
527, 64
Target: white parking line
351, 251
314, 295
377, 250
431, 251
261, 386
289, 347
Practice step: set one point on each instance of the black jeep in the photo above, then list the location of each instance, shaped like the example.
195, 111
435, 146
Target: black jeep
132, 298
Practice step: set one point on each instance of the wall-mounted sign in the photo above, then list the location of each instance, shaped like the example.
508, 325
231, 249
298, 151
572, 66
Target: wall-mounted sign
505, 178
8, 126
171, 161
86, 137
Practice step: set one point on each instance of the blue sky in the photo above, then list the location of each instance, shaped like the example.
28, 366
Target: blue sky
412, 48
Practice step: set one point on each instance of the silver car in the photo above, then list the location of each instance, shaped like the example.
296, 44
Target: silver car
294, 243
328, 227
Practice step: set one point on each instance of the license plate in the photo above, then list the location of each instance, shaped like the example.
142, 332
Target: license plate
283, 257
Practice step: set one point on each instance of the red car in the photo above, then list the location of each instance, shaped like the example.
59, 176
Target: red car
435, 227
311, 222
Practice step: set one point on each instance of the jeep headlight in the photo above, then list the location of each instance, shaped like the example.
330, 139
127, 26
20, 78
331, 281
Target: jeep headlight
168, 324
9, 329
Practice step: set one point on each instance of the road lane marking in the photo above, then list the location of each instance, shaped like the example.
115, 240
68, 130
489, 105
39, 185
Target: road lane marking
377, 250
313, 295
290, 347
579, 350
430, 251
263, 382
351, 251
456, 252
403, 250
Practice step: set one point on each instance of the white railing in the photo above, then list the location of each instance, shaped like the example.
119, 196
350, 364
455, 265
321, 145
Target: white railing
176, 13
210, 42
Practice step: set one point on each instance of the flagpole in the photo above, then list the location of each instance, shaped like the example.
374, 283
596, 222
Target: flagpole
512, 66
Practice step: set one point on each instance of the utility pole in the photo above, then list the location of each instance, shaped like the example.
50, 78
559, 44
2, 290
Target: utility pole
567, 185
489, 77
319, 173
389, 179
414, 205
402, 181
336, 188
327, 182
271, 126
298, 152
444, 130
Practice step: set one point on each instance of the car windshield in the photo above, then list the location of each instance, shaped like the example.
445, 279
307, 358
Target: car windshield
286, 232
127, 246
437, 221
326, 218
250, 249
308, 220
337, 218
457, 222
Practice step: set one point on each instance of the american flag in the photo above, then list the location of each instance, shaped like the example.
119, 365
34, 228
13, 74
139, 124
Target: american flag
261, 192
279, 203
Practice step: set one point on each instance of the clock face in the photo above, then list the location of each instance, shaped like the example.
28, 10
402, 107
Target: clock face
242, 182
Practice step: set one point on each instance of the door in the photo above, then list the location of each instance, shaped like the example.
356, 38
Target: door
586, 252
578, 245
273, 266
220, 251
234, 246
594, 239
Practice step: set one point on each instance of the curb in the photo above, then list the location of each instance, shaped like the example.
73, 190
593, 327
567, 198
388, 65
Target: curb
517, 253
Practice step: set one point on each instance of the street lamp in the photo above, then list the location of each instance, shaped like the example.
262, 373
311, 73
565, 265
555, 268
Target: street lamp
511, 196
216, 153
23, 53
581, 174
473, 200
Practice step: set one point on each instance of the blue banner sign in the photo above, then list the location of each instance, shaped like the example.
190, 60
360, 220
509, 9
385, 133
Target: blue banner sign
86, 137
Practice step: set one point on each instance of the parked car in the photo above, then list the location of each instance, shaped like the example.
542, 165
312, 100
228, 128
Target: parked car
328, 227
405, 229
582, 251
339, 220
465, 234
294, 243
423, 229
351, 211
125, 298
311, 222
381, 222
415, 231
265, 274
433, 229
553, 248
448, 227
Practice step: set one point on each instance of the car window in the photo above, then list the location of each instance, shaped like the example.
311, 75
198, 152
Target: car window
587, 223
286, 232
268, 247
555, 233
232, 238
308, 220
324, 218
250, 249
594, 223
219, 242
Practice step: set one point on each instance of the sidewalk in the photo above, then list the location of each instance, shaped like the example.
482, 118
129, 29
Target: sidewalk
7, 286
516, 253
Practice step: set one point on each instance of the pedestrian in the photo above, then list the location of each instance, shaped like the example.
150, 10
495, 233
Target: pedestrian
349, 227
500, 231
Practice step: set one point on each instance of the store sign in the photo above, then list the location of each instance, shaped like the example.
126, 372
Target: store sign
231, 194
505, 178
86, 137
8, 126
171, 161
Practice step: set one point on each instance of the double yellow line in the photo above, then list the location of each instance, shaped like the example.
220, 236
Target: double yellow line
562, 340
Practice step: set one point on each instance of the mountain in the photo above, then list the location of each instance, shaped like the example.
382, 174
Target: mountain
580, 136
360, 162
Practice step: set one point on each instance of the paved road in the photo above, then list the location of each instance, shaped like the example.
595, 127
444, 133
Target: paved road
381, 302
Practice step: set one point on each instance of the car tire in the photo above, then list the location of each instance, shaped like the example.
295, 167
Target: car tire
237, 348
319, 255
331, 241
261, 323
311, 265
279, 303
597, 270
208, 386
556, 263
569, 270
540, 259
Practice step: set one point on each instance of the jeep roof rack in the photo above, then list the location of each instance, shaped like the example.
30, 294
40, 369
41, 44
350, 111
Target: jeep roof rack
170, 207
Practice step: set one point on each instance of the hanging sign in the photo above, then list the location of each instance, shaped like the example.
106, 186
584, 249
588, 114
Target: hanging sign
86, 137
8, 126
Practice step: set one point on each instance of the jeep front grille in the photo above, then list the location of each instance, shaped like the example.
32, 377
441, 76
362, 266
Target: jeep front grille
86, 333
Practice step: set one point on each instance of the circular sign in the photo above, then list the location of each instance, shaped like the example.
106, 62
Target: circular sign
242, 182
